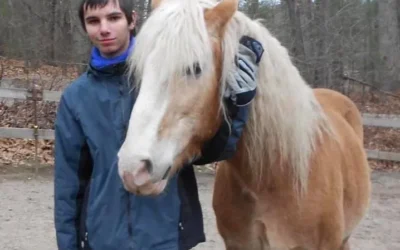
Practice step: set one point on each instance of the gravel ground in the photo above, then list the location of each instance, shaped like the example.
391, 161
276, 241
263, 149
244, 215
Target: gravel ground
26, 218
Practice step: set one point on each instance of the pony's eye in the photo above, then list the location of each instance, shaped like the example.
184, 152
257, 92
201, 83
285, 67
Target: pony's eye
195, 70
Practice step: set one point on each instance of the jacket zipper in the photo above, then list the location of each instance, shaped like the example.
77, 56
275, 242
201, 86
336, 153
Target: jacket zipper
83, 244
85, 241
123, 104
130, 230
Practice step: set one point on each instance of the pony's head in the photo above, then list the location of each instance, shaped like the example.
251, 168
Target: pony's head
183, 55
178, 58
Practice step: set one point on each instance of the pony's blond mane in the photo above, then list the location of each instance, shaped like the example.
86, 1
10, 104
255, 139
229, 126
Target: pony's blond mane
286, 120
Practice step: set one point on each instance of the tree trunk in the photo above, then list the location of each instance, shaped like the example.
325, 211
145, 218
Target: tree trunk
322, 62
389, 41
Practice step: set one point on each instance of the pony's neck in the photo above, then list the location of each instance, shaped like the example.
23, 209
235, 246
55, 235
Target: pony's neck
273, 175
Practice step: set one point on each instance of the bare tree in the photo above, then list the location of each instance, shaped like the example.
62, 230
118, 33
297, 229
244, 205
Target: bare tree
389, 44
325, 37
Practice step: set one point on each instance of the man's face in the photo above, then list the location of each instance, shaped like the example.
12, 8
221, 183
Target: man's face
108, 28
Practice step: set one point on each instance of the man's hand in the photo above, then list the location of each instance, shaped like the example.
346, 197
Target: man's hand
242, 82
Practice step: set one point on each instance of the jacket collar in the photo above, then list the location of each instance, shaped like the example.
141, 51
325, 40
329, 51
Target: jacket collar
117, 69
109, 66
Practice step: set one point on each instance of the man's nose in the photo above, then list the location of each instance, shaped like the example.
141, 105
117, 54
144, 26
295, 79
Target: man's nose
104, 27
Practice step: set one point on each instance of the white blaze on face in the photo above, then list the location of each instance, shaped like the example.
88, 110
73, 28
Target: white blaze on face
142, 140
176, 39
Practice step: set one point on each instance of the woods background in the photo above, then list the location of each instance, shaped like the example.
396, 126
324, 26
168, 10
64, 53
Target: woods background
326, 38
330, 41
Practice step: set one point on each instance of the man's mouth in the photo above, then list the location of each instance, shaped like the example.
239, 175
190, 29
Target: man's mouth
107, 41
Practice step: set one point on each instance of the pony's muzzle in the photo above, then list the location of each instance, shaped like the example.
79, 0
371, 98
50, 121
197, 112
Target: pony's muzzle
148, 188
140, 181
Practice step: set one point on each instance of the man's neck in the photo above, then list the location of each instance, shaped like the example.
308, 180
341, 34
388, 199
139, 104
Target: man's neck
99, 60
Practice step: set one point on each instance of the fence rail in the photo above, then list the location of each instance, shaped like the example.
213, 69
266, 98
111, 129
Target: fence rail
26, 133
26, 94
377, 120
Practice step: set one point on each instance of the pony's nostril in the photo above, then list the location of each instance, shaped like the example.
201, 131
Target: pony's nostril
148, 165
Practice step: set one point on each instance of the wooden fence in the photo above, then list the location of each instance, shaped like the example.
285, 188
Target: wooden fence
35, 94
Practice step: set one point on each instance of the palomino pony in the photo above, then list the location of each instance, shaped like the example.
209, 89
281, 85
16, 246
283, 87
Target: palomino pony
300, 177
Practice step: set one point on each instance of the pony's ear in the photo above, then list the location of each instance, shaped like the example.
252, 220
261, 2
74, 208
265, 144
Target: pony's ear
217, 17
155, 3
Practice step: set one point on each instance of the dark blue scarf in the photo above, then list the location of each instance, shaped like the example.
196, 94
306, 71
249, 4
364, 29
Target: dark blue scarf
98, 61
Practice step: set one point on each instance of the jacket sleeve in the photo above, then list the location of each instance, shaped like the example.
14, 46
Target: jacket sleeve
223, 145
69, 140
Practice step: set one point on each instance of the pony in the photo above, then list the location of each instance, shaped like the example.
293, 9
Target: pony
299, 179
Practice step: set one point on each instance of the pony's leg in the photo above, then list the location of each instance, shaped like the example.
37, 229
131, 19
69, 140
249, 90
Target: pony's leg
234, 211
332, 245
245, 242
234, 244
238, 232
346, 244
332, 232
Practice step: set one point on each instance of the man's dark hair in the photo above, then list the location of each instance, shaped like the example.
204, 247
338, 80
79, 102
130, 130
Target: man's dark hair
127, 6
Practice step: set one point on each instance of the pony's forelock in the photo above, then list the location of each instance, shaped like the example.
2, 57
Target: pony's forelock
176, 38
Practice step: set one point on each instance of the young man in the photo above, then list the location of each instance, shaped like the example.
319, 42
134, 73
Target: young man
92, 209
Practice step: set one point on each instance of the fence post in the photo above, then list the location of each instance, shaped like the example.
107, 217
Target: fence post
35, 94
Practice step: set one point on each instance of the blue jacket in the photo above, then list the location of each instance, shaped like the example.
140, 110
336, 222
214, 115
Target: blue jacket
92, 209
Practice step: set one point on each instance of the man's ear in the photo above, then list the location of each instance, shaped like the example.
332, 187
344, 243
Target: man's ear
132, 25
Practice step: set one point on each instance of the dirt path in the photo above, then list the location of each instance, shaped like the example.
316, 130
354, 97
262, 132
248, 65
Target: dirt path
26, 218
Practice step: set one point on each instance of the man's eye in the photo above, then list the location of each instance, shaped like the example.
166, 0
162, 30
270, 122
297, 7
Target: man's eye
92, 21
114, 18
